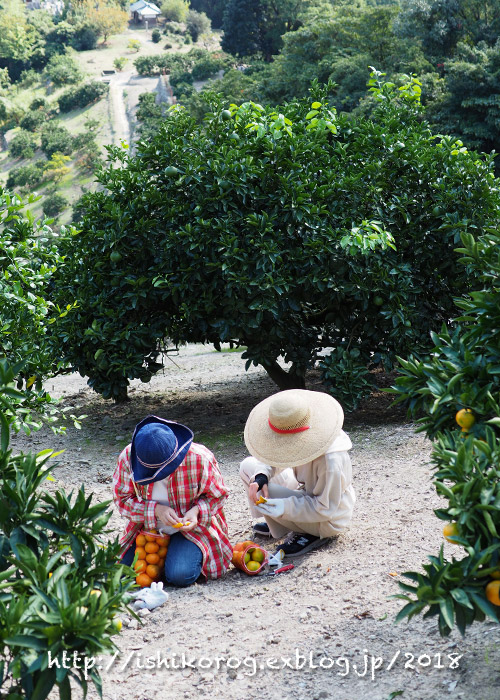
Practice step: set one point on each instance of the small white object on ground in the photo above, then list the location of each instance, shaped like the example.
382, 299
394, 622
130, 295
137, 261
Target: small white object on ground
150, 598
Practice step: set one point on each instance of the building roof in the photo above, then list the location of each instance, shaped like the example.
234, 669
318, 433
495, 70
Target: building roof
143, 5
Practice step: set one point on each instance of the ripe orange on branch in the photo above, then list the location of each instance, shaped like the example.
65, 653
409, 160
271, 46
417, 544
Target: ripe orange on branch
450, 530
493, 592
465, 419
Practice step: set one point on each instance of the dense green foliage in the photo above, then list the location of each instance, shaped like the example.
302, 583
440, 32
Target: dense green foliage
259, 227
82, 95
54, 204
462, 371
54, 555
23, 145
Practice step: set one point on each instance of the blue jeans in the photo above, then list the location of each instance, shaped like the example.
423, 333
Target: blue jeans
183, 561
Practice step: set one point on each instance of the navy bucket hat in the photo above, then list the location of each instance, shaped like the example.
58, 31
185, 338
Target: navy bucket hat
158, 448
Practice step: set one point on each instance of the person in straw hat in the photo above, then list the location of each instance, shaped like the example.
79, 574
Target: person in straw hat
300, 464
164, 480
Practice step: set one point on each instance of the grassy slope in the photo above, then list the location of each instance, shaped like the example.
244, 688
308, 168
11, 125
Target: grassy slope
93, 63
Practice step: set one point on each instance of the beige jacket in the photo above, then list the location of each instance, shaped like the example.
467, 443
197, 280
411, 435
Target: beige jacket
323, 497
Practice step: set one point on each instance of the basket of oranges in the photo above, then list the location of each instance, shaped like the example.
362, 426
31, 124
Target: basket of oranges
249, 557
151, 550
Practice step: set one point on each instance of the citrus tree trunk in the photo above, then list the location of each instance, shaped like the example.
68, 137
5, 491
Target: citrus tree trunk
293, 379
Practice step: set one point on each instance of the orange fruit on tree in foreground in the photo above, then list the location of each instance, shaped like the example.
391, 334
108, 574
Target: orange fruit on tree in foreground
493, 592
143, 580
140, 541
253, 566
140, 566
152, 558
141, 552
162, 552
465, 419
450, 530
151, 547
153, 571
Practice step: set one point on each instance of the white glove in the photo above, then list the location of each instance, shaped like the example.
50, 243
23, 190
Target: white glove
150, 598
273, 507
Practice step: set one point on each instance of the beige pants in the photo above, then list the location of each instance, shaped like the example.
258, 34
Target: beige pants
282, 485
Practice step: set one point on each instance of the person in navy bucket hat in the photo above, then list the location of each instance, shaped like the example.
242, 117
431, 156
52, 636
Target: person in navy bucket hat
165, 482
158, 447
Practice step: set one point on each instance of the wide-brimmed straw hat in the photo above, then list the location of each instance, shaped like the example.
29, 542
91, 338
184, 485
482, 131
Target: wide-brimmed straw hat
293, 427
158, 448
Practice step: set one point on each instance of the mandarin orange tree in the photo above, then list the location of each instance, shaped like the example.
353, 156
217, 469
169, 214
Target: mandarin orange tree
60, 586
271, 228
457, 389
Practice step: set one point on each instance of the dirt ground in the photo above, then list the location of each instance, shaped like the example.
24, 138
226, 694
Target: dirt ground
323, 630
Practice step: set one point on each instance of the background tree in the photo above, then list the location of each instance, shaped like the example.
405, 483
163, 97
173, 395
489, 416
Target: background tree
214, 9
175, 10
250, 217
17, 38
197, 23
106, 18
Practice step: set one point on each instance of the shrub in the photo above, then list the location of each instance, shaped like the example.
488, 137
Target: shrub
119, 63
62, 69
265, 234
55, 555
82, 95
31, 174
54, 204
33, 120
134, 44
207, 67
55, 137
23, 145
39, 103
85, 38
156, 35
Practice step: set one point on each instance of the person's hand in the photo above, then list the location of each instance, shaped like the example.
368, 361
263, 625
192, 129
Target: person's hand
166, 515
191, 517
253, 490
274, 507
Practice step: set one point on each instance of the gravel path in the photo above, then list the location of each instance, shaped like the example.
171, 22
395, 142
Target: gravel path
325, 629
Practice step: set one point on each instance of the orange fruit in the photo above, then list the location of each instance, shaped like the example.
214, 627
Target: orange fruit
150, 538
253, 566
450, 530
237, 558
258, 555
143, 580
140, 566
162, 541
162, 552
161, 563
247, 558
496, 575
493, 592
151, 547
153, 571
141, 552
243, 545
152, 558
465, 419
140, 541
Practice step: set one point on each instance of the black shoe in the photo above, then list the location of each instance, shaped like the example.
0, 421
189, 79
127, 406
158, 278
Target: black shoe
298, 543
262, 529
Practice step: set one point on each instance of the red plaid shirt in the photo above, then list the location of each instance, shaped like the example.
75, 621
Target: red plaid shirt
197, 481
